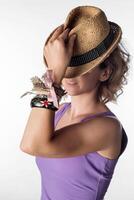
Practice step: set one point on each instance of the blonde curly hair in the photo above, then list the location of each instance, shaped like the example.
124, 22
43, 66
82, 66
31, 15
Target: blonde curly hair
110, 89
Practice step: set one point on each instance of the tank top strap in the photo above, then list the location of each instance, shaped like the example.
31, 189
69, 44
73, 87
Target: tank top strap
60, 112
104, 114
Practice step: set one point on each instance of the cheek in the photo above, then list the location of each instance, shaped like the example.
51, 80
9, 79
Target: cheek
90, 82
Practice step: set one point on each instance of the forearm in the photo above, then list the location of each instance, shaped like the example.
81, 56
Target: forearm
39, 129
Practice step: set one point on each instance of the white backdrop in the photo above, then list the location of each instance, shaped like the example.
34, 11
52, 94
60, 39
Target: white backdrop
24, 26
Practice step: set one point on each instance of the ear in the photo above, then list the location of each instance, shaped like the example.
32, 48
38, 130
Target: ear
105, 74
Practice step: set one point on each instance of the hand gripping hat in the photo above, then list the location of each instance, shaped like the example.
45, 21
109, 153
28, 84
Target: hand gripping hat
96, 39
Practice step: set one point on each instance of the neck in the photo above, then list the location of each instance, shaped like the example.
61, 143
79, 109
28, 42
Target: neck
84, 104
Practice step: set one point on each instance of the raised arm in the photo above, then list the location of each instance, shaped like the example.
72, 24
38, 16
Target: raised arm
73, 140
40, 125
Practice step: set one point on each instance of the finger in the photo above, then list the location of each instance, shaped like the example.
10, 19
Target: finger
56, 33
71, 42
50, 35
64, 34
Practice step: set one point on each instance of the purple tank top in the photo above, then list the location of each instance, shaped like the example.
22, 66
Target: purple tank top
84, 177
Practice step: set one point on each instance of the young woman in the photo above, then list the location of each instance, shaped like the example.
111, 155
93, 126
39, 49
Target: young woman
78, 146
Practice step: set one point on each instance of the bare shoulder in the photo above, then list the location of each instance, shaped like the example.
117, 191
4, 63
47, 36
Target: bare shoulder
110, 121
111, 132
103, 134
109, 125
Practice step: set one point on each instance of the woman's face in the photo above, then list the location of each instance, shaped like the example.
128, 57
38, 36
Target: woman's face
82, 84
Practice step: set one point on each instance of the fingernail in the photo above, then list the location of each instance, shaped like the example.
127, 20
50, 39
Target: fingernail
60, 27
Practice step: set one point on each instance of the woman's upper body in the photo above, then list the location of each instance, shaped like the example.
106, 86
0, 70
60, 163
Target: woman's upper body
79, 177
89, 139
72, 162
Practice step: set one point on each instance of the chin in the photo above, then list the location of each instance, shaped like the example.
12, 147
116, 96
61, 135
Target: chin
72, 88
72, 91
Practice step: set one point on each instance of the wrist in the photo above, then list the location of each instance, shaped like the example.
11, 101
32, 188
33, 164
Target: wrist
42, 102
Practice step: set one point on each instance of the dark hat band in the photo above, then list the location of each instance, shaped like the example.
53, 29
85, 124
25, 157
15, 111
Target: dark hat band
97, 51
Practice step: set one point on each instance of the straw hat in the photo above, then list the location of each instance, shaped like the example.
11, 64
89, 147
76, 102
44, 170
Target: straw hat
96, 39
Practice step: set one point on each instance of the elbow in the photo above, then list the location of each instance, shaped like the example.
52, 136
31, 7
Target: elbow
33, 148
25, 149
34, 152
22, 146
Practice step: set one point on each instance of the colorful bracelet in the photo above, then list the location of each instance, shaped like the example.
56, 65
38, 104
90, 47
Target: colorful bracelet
46, 86
41, 101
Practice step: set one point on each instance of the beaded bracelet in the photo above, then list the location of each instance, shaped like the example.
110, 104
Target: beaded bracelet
41, 101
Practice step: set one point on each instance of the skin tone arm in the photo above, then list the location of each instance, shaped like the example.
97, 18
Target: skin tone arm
40, 125
72, 140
